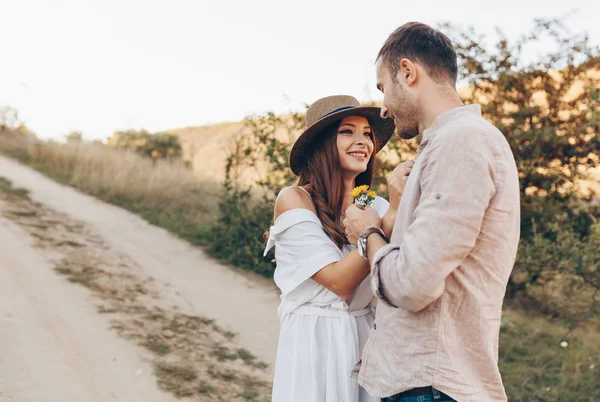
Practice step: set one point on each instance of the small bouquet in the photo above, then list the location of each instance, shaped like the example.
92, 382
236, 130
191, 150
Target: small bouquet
362, 196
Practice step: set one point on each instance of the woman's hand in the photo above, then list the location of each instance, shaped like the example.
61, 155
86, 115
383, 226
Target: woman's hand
397, 181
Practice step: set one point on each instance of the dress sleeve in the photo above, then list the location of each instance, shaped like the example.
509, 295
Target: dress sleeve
381, 205
302, 248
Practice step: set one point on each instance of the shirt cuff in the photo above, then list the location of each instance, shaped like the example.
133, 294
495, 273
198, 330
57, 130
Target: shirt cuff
378, 260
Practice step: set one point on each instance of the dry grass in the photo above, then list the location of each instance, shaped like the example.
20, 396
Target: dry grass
165, 193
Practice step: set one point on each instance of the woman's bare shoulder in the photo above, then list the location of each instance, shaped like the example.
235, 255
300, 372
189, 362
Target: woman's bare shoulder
291, 198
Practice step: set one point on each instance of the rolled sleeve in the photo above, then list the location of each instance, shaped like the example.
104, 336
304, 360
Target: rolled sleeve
375, 264
456, 188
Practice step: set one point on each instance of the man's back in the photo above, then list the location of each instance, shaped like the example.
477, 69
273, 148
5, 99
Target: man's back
442, 279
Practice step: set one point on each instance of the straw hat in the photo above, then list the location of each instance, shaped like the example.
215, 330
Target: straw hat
325, 112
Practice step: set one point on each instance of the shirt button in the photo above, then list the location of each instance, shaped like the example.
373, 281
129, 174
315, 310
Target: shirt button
374, 326
438, 196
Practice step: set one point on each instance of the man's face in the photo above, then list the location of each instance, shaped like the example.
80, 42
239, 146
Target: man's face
398, 103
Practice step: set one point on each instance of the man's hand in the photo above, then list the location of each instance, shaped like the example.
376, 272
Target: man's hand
397, 181
358, 220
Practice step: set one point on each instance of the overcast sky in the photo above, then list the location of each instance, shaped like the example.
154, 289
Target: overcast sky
103, 65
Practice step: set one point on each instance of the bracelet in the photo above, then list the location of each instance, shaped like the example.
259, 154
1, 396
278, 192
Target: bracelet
363, 243
372, 230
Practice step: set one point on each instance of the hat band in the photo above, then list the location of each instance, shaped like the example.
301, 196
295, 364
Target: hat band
337, 110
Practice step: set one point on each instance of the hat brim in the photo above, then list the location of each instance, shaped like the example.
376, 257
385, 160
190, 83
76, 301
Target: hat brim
383, 128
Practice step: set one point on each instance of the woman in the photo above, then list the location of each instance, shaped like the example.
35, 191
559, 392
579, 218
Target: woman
327, 306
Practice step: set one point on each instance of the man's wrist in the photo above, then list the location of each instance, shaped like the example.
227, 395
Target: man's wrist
362, 239
374, 243
374, 230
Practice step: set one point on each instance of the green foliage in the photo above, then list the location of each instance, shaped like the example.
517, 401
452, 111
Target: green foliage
548, 109
237, 238
155, 146
267, 150
246, 210
560, 277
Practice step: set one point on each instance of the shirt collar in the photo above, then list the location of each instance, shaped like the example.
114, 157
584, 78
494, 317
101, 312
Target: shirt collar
448, 116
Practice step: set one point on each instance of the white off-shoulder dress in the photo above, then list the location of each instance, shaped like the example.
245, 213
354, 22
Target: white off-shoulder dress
321, 336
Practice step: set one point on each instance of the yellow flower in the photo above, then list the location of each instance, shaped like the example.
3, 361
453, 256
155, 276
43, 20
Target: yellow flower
362, 196
357, 190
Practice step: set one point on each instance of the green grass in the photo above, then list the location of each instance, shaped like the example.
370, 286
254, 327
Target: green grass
7, 187
175, 221
535, 367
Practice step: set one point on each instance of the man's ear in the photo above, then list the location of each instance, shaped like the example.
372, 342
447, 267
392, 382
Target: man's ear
408, 72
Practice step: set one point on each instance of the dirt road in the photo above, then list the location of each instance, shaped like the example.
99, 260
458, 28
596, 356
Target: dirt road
98, 305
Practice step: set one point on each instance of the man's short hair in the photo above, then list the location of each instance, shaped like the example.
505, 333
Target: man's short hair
424, 45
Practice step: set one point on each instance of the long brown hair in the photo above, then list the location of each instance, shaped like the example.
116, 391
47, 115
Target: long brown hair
322, 173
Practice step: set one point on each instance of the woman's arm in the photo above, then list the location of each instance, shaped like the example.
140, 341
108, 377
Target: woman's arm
341, 277
387, 222
344, 277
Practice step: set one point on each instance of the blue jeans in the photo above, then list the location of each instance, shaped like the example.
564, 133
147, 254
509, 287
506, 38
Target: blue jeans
437, 396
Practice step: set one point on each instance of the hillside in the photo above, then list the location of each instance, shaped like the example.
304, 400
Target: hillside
206, 147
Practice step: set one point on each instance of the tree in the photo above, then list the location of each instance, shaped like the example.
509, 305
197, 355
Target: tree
547, 107
74, 137
156, 146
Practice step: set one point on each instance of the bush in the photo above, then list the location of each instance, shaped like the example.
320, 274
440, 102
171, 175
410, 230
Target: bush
155, 146
247, 210
237, 237
560, 277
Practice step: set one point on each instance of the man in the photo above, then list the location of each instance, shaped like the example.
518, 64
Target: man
441, 279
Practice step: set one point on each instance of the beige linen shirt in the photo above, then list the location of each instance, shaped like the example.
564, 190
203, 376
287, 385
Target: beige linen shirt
441, 281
